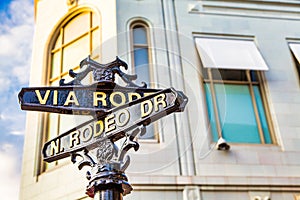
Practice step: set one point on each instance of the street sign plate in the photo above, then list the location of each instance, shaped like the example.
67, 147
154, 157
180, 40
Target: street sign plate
78, 99
115, 123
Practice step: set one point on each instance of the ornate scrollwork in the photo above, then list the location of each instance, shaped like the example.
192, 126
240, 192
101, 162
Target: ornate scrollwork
128, 144
102, 72
109, 163
87, 159
105, 151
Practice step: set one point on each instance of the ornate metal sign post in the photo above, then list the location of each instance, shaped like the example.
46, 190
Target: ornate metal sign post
118, 112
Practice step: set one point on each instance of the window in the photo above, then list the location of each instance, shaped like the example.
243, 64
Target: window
76, 38
232, 80
140, 47
295, 48
141, 61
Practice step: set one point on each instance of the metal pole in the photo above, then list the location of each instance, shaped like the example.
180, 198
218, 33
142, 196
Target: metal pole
108, 182
108, 194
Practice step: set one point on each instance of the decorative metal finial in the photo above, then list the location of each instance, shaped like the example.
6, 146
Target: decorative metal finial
109, 163
102, 73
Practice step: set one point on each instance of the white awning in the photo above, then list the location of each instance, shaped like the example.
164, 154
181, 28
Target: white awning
295, 47
230, 54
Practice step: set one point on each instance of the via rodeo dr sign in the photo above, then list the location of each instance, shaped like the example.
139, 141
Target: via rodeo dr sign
80, 100
115, 109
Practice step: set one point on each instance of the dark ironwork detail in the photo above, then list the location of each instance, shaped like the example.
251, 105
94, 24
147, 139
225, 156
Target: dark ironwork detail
105, 151
87, 159
118, 113
109, 164
128, 144
102, 72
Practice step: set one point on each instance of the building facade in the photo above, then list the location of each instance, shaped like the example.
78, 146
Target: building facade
237, 61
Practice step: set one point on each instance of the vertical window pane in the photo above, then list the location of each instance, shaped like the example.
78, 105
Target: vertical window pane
95, 43
210, 110
74, 53
78, 26
262, 115
95, 20
52, 125
58, 42
204, 73
253, 75
51, 133
140, 56
55, 65
140, 35
141, 65
236, 112
66, 122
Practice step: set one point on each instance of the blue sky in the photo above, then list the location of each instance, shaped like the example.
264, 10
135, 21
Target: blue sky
16, 34
4, 4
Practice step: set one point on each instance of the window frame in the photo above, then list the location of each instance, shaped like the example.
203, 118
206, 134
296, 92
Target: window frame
60, 31
211, 81
148, 46
207, 78
151, 84
41, 166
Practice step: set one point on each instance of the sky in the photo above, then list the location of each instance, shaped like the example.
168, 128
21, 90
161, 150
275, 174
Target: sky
16, 34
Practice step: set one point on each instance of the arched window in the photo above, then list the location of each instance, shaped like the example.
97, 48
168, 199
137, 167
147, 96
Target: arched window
141, 62
141, 52
75, 39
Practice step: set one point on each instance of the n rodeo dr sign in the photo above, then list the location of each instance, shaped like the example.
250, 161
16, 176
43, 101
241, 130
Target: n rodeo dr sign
114, 124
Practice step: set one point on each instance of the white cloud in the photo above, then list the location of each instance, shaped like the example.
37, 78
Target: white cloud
4, 83
17, 132
16, 33
11, 116
19, 73
9, 172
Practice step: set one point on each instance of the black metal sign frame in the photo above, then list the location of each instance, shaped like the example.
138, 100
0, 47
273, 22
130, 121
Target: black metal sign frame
117, 112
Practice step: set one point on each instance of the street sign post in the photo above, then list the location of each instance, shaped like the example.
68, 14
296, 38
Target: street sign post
117, 112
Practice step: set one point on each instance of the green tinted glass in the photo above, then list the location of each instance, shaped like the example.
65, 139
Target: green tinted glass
210, 111
236, 113
262, 115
